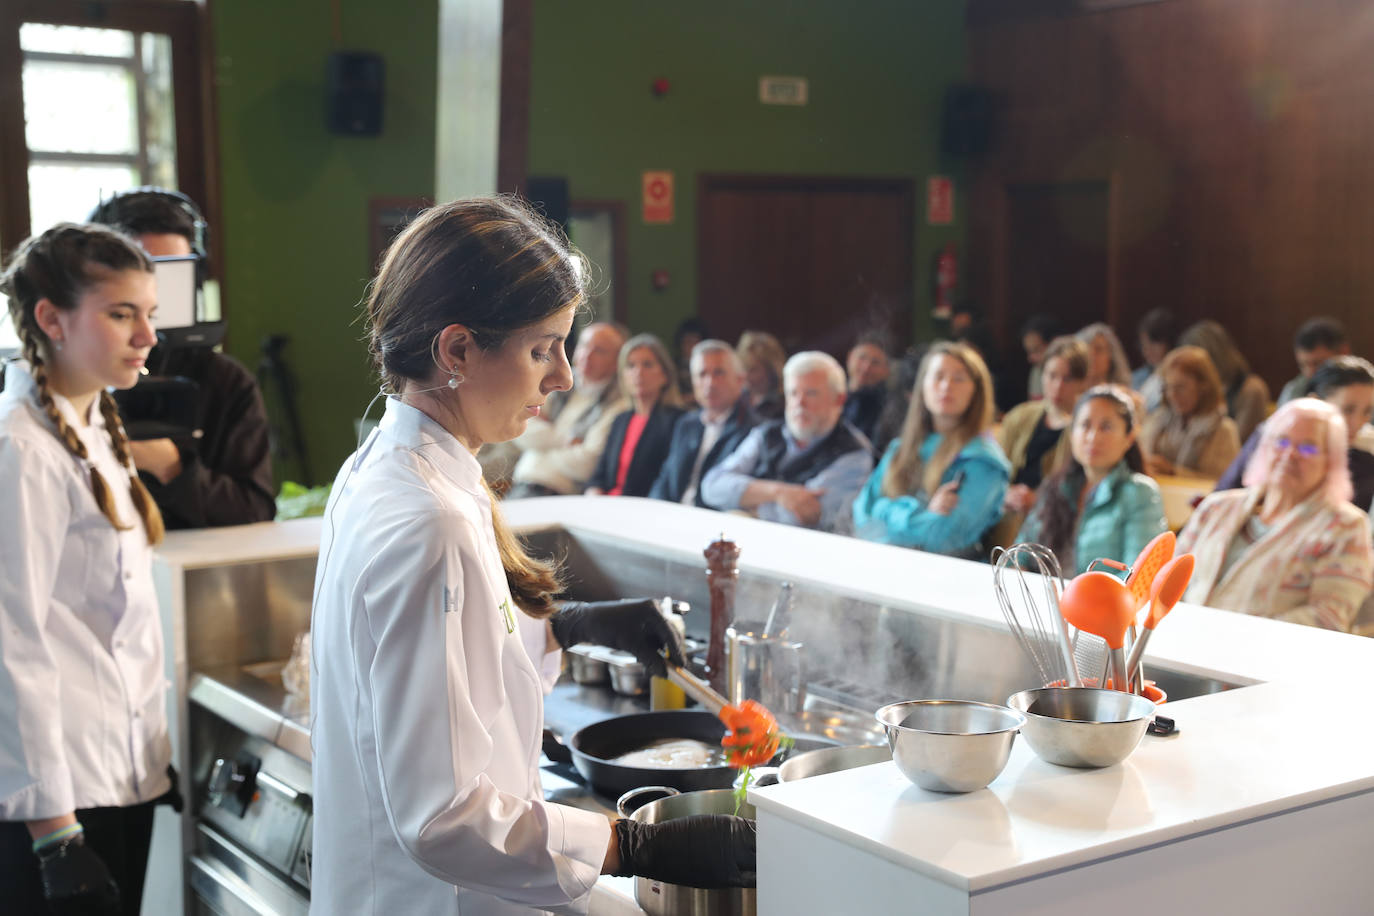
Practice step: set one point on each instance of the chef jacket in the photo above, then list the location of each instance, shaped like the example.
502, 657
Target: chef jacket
82, 687
427, 712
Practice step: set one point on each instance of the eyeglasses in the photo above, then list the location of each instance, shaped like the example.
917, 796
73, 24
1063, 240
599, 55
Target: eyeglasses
1305, 449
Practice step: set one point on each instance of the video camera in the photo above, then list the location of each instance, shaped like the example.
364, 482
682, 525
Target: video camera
160, 405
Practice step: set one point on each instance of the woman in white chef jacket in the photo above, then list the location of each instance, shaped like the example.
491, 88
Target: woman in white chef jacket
426, 708
83, 738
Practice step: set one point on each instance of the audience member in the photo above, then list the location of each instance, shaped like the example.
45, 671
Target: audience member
1317, 340
763, 358
1036, 335
1190, 434
1289, 545
939, 487
560, 448
1247, 395
220, 471
1346, 383
1032, 434
1100, 504
690, 332
1107, 362
638, 440
868, 373
1156, 334
804, 469
705, 436
900, 384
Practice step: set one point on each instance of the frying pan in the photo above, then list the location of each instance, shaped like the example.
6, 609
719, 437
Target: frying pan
593, 745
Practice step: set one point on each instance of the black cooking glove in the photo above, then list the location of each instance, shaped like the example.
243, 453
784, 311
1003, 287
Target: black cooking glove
704, 850
633, 625
76, 881
173, 795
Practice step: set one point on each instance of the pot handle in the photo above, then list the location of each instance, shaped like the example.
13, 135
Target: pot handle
623, 804
763, 776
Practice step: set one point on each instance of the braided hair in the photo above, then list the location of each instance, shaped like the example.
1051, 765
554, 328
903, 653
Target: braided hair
60, 265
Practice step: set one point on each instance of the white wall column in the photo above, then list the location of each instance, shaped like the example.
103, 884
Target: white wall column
469, 98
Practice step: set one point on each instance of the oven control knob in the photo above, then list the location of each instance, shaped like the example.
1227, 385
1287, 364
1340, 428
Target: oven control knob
231, 784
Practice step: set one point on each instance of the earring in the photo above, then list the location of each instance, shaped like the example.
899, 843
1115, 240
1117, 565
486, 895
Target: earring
455, 378
57, 345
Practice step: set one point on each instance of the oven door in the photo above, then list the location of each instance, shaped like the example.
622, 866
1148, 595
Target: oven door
225, 881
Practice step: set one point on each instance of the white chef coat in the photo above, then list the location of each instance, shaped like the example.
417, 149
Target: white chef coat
82, 689
427, 712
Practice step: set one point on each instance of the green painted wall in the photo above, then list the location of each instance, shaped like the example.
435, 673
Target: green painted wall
877, 71
295, 197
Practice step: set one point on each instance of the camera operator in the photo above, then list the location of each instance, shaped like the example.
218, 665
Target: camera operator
219, 470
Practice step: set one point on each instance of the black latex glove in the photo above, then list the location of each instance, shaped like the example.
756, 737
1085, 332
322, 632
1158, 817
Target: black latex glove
633, 625
75, 880
704, 850
173, 795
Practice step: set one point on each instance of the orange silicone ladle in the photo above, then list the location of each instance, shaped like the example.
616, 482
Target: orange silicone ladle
1166, 591
1099, 603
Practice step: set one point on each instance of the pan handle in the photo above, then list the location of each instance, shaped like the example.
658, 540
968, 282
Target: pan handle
696, 688
623, 804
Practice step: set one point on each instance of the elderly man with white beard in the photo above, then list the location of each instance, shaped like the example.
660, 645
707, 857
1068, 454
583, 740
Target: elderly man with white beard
805, 469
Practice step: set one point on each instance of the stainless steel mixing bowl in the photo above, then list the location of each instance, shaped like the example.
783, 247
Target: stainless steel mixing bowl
1082, 726
950, 745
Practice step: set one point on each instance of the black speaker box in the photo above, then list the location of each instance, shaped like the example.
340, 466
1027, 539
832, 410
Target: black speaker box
550, 197
357, 89
967, 123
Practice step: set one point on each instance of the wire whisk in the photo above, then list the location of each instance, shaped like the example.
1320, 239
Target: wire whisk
1036, 622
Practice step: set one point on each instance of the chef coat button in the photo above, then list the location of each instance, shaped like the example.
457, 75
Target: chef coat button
128, 574
138, 714
119, 643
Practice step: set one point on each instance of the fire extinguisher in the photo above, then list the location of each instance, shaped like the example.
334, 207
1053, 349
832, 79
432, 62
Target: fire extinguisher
946, 276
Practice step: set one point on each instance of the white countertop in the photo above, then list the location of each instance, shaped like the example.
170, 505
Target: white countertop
1304, 733
241, 543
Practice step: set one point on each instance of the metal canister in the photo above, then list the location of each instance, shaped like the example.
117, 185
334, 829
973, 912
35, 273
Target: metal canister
769, 669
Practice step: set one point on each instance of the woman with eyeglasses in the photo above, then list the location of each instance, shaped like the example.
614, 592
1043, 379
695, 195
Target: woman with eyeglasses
1289, 545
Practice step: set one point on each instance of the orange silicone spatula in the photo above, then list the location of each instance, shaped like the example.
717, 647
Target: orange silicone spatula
1099, 603
1146, 566
1167, 591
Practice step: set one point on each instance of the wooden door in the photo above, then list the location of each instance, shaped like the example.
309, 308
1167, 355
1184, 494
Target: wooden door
1057, 254
815, 261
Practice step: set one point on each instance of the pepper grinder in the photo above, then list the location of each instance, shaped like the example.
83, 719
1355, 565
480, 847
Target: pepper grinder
722, 575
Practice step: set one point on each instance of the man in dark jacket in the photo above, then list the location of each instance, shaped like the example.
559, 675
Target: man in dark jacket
701, 438
805, 469
220, 471
868, 368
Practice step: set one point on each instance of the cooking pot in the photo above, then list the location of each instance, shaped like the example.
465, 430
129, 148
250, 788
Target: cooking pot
593, 746
659, 898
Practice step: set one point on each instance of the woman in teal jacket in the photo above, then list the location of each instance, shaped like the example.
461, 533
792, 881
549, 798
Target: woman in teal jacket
1100, 504
940, 485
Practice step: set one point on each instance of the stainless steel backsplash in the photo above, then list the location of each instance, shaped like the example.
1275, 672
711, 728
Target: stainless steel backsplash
246, 613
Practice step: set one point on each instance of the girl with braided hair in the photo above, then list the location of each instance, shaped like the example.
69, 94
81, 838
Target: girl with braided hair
84, 751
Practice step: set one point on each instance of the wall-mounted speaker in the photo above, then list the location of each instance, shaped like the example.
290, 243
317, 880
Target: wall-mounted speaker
966, 127
357, 90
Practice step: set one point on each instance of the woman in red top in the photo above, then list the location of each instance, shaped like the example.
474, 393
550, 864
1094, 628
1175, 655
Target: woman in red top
639, 438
